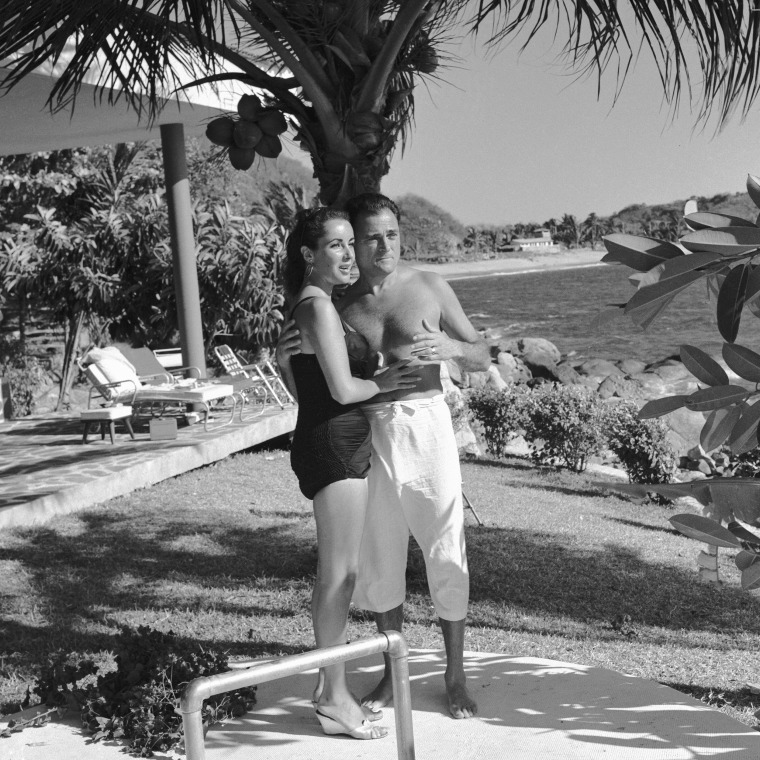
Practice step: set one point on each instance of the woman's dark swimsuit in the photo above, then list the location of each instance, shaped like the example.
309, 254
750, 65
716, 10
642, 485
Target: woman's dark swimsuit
331, 440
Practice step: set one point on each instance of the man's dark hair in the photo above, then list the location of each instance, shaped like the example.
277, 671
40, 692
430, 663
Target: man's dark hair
370, 204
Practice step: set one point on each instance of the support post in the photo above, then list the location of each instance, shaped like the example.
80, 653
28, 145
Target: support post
183, 247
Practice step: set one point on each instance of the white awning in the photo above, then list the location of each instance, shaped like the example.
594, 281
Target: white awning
28, 126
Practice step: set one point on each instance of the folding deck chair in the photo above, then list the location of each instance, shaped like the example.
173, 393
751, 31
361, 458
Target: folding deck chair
114, 380
263, 373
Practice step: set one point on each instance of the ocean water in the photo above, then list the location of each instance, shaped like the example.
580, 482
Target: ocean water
570, 308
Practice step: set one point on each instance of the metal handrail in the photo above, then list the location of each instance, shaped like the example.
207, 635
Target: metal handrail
208, 686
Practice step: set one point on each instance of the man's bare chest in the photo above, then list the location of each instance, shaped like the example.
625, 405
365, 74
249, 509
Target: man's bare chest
390, 322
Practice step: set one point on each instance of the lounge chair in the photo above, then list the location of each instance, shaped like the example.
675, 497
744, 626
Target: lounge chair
257, 375
114, 380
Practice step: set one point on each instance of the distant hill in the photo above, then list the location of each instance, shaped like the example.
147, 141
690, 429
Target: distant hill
429, 231
735, 204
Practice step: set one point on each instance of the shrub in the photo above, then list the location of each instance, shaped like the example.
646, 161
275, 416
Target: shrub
138, 700
501, 415
564, 425
641, 445
26, 374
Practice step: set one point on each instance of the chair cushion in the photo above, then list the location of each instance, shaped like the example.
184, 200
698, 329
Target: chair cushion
109, 365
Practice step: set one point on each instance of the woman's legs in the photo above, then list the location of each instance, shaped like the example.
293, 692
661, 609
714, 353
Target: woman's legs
339, 510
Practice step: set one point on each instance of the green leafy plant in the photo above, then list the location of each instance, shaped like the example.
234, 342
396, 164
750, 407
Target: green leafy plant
501, 415
721, 250
641, 445
138, 700
26, 374
733, 536
564, 425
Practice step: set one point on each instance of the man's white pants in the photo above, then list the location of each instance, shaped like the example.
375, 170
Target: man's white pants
415, 485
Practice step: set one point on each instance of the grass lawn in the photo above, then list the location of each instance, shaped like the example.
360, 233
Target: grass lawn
561, 569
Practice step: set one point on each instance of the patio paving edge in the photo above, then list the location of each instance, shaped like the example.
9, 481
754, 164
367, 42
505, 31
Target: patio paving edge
168, 464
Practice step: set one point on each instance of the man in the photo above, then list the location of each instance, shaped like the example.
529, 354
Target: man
414, 481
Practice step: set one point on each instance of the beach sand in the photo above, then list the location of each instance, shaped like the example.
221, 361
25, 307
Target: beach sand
517, 263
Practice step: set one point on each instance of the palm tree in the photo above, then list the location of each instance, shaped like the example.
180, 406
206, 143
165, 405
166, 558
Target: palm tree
344, 72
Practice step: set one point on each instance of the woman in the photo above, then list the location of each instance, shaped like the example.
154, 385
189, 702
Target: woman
331, 444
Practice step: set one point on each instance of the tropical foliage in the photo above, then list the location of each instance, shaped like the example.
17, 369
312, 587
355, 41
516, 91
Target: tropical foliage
90, 242
720, 250
342, 73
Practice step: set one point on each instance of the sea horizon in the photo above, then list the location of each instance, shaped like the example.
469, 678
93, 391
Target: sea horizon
573, 307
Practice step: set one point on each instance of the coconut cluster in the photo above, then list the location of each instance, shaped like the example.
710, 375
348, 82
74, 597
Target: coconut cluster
257, 131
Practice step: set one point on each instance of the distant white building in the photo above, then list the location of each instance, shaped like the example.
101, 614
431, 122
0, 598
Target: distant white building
541, 241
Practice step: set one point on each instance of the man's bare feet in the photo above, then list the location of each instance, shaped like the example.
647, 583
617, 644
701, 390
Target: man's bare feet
461, 704
381, 696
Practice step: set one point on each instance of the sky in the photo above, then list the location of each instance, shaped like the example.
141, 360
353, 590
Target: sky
510, 138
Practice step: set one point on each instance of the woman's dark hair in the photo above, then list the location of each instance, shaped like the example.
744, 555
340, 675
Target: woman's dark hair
309, 227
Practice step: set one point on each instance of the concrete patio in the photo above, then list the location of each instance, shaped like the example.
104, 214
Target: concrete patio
46, 470
529, 709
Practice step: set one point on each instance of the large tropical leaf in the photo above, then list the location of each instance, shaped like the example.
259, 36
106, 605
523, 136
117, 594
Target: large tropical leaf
720, 396
673, 277
708, 220
751, 577
753, 189
743, 436
745, 558
703, 366
661, 406
753, 285
637, 252
729, 241
735, 499
742, 360
731, 301
718, 427
744, 535
706, 530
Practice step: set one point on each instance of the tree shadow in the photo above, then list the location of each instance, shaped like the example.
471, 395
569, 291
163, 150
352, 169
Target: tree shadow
643, 525
108, 564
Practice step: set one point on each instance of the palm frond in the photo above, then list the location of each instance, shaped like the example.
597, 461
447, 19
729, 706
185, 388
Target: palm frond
141, 50
719, 38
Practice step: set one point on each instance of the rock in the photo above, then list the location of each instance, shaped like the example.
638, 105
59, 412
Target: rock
454, 372
631, 366
511, 369
467, 442
671, 371
696, 453
704, 467
619, 386
476, 380
495, 380
652, 386
598, 369
684, 429
567, 375
523, 347
540, 348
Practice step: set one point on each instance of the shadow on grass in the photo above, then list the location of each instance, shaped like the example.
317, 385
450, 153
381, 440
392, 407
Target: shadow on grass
119, 562
643, 525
